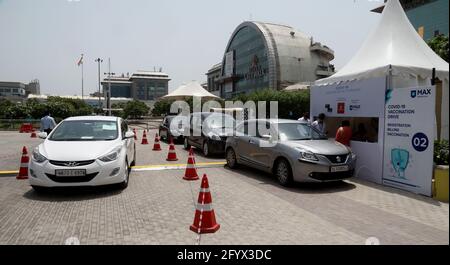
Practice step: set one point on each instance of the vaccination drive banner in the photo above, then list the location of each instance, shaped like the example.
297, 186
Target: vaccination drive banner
409, 137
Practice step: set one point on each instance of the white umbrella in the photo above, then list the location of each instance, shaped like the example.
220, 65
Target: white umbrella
191, 89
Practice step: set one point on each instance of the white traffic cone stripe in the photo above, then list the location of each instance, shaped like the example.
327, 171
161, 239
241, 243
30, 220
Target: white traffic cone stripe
24, 165
204, 190
204, 207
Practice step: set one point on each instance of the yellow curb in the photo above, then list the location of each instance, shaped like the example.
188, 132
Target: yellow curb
9, 172
180, 165
144, 167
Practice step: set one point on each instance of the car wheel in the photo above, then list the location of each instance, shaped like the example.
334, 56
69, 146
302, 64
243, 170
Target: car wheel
206, 149
39, 189
186, 144
133, 163
123, 185
283, 172
159, 133
231, 158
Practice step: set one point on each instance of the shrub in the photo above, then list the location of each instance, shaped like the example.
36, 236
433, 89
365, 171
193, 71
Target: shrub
441, 152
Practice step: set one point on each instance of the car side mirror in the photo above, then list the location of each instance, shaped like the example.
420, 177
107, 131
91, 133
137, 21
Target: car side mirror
42, 135
129, 135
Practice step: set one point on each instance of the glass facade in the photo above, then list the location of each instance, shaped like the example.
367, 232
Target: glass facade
431, 18
251, 69
142, 86
120, 90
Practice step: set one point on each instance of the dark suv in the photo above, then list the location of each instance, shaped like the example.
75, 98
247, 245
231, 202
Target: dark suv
209, 131
172, 127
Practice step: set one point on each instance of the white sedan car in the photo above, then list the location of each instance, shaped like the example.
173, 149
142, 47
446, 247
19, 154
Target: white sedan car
84, 151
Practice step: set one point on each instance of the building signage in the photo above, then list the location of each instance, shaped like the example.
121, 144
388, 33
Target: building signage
255, 70
361, 98
408, 151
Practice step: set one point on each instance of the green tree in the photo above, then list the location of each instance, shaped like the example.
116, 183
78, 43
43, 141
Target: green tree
4, 105
118, 113
135, 109
439, 44
17, 111
162, 107
291, 105
36, 109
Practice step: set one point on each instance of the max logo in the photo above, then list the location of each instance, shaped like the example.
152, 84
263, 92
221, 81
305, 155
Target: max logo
421, 93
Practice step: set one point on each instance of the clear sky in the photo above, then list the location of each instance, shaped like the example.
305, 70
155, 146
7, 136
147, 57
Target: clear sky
43, 39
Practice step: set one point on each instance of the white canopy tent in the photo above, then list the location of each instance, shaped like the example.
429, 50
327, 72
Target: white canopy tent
191, 89
395, 44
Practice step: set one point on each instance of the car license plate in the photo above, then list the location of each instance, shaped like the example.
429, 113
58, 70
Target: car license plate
70, 172
339, 169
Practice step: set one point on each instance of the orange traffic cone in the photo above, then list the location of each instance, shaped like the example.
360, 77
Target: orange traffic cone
156, 145
172, 155
135, 134
23, 171
191, 171
144, 138
205, 219
33, 134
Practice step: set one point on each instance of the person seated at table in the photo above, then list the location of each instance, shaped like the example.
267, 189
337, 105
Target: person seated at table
361, 134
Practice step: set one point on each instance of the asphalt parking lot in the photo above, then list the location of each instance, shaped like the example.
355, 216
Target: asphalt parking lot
158, 207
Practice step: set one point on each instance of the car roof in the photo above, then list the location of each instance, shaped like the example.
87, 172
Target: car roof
275, 121
92, 118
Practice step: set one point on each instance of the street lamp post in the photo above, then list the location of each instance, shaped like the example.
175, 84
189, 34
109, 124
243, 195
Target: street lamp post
108, 94
99, 61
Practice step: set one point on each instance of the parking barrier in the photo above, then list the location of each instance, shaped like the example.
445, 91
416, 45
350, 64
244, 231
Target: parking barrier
156, 145
144, 138
205, 218
172, 155
23, 171
191, 172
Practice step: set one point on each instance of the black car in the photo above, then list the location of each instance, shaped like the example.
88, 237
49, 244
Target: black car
172, 126
209, 131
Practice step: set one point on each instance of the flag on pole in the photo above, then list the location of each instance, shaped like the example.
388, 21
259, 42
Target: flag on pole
80, 62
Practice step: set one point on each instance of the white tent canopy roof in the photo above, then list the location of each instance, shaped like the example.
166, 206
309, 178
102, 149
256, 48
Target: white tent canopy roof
394, 43
191, 89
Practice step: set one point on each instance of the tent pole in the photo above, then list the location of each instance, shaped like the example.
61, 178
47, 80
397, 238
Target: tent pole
388, 86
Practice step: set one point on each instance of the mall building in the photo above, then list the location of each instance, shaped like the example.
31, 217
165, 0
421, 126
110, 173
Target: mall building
429, 17
265, 55
141, 85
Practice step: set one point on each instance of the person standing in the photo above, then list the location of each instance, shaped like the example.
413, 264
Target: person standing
344, 133
319, 124
47, 123
305, 118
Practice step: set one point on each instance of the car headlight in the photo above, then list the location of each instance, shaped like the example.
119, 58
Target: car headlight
111, 156
306, 155
214, 137
351, 154
38, 157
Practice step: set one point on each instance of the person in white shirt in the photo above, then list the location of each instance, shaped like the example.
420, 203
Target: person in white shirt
47, 123
319, 124
305, 118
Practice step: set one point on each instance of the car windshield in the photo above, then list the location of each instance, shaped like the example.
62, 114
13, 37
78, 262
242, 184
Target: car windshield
298, 131
85, 131
218, 121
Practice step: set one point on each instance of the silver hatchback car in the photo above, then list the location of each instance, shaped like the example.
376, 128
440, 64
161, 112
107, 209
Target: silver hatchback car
291, 150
